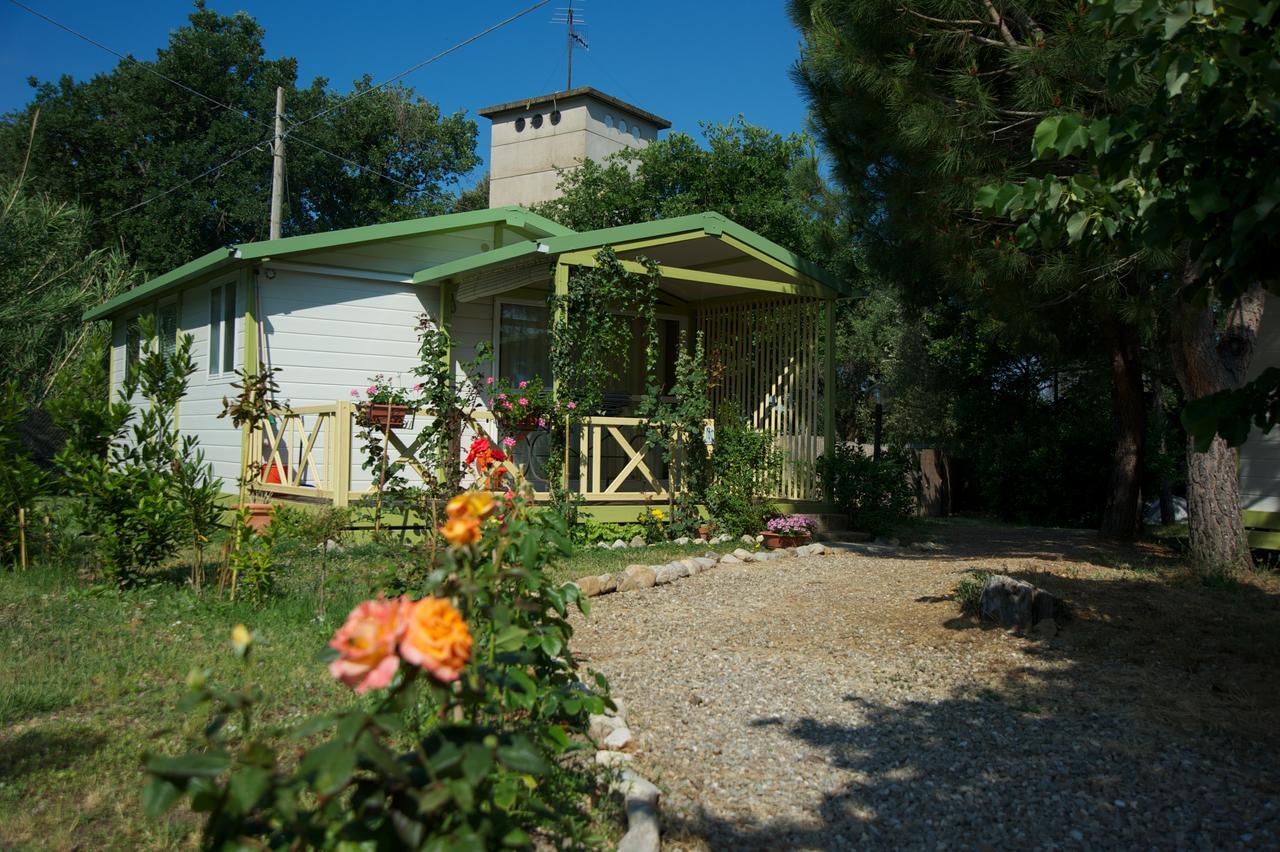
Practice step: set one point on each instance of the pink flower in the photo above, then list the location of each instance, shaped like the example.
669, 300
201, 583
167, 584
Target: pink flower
489, 380
508, 442
506, 405
417, 387
542, 423
523, 400
371, 390
571, 405
366, 644
524, 384
355, 392
502, 396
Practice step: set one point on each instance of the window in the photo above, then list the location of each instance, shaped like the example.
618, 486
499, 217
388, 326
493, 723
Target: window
524, 349
167, 327
222, 329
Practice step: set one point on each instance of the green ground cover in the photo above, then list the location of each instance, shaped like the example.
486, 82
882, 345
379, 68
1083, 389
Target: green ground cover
91, 677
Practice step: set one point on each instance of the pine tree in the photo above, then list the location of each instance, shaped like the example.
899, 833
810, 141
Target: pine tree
920, 104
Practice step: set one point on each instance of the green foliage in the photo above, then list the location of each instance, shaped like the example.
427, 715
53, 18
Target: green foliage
1232, 413
968, 591
160, 136
674, 424
21, 479
199, 494
251, 568
426, 764
878, 495
743, 462
121, 460
50, 274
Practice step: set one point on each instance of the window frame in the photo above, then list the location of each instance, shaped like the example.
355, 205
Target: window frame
498, 302
225, 346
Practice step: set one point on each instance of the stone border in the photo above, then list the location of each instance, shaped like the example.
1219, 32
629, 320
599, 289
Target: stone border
638, 576
639, 796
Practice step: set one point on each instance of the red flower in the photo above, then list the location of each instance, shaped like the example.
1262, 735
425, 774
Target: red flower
483, 454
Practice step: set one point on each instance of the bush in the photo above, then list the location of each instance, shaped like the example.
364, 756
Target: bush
968, 591
472, 734
743, 462
21, 479
878, 495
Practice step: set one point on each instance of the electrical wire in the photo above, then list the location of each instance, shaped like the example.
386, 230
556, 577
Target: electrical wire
353, 163
421, 64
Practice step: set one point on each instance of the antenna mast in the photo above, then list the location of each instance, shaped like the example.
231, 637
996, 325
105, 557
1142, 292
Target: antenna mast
570, 18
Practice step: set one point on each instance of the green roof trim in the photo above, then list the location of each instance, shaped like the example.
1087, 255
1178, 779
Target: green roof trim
462, 265
710, 223
512, 216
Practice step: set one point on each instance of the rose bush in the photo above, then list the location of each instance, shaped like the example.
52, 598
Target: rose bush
472, 728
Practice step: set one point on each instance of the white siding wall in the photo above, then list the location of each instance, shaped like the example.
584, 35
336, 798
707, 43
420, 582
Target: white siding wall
1260, 455
199, 411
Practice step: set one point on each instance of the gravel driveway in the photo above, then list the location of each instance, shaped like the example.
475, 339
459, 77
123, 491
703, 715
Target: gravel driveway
842, 702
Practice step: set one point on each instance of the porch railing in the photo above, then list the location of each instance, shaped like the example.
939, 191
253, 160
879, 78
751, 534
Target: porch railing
312, 452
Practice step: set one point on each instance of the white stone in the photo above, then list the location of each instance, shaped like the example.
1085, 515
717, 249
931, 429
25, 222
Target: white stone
730, 559
699, 540
744, 555
602, 725
818, 549
682, 540
759, 539
705, 561
640, 798
618, 543
669, 574
638, 541
613, 758
618, 739
746, 539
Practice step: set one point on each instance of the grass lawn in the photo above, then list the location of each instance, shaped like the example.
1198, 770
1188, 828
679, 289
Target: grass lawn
90, 679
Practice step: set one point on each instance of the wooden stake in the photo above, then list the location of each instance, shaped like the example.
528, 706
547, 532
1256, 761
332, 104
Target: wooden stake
22, 538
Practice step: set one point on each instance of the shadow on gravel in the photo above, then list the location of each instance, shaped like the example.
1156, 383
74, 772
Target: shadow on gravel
1005, 772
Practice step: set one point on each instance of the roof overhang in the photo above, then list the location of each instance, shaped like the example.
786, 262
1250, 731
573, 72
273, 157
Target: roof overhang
220, 260
698, 255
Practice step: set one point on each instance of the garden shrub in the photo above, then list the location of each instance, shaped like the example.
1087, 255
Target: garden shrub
968, 591
122, 461
878, 495
472, 733
742, 463
21, 479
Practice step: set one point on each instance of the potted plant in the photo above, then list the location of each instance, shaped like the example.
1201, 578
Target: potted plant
385, 405
521, 407
788, 531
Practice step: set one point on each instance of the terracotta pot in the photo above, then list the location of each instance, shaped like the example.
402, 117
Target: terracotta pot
706, 531
777, 541
384, 416
259, 516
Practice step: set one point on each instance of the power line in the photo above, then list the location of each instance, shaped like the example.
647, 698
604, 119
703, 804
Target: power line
423, 63
126, 58
353, 163
188, 182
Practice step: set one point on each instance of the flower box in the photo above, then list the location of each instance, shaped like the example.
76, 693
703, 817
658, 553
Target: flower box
382, 416
777, 541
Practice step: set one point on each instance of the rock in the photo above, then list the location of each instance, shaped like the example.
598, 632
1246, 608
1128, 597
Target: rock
1014, 603
699, 540
743, 555
759, 539
695, 699
817, 549
602, 725
730, 559
618, 544
927, 546
642, 578
746, 539
640, 798
618, 739
603, 545
885, 542
608, 583
705, 562
589, 586
613, 759
638, 541
668, 574
789, 551
635, 566
330, 546
682, 540
692, 564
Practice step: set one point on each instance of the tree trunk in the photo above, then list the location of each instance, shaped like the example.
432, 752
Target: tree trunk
1123, 510
1205, 362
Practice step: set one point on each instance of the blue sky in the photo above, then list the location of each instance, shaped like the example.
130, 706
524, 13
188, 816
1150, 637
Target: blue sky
686, 61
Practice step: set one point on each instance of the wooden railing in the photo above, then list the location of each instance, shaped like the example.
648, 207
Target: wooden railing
311, 452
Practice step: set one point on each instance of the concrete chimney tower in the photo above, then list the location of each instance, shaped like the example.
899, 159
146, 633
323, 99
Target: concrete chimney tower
534, 138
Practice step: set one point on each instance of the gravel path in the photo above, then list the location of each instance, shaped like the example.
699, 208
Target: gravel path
840, 702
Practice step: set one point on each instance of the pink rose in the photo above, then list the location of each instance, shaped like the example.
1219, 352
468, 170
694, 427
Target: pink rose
489, 380
524, 384
508, 442
366, 644
571, 405
524, 400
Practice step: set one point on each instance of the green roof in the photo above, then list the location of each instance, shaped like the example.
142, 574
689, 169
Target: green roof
233, 255
709, 223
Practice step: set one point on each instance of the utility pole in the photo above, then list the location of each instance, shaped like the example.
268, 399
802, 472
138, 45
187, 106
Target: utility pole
568, 83
277, 166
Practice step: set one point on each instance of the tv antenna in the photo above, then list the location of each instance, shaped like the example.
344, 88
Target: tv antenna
573, 21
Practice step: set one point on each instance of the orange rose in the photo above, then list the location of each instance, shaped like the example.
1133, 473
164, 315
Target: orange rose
366, 644
460, 531
437, 639
475, 504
